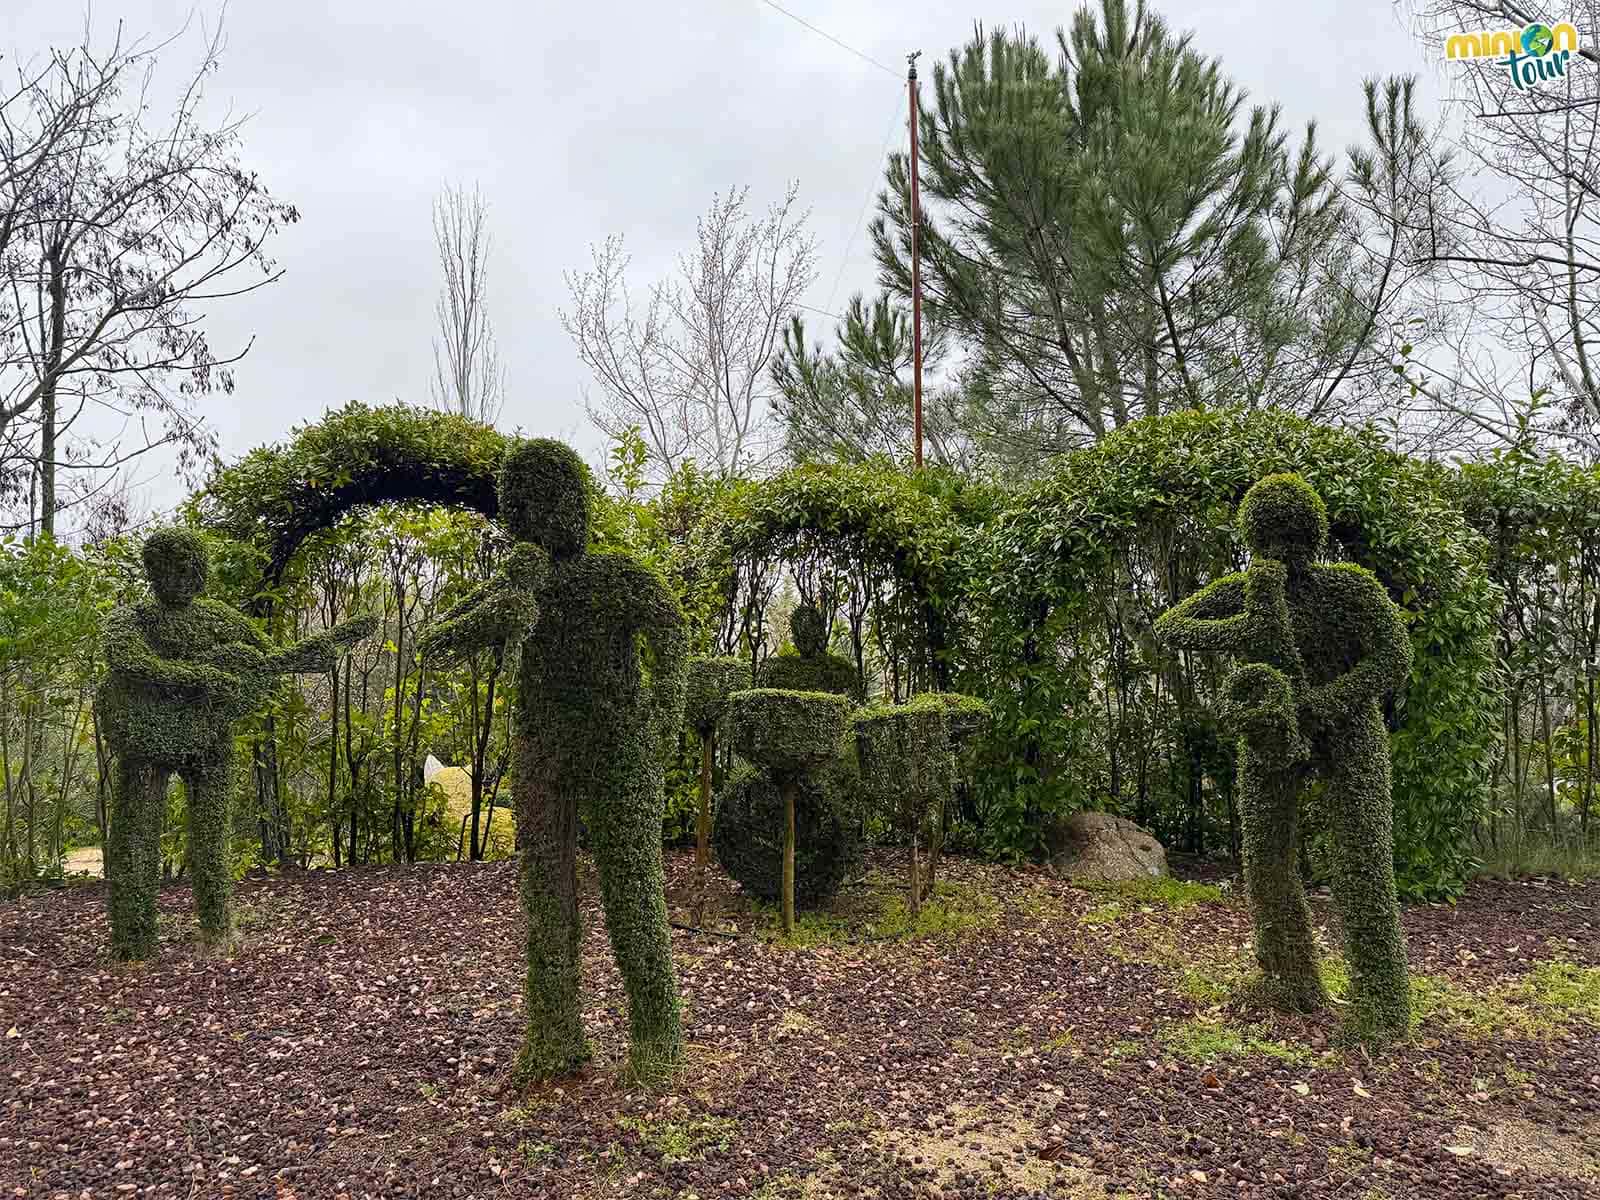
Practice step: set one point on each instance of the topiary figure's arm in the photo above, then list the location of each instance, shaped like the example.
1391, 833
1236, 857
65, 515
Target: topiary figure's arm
1385, 662
128, 654
319, 653
1217, 617
495, 613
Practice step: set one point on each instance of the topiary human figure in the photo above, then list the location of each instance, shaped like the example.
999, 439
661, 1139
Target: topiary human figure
182, 670
710, 682
590, 738
1323, 645
792, 735
811, 668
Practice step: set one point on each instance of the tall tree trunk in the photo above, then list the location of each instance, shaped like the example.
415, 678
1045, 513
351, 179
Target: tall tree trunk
47, 397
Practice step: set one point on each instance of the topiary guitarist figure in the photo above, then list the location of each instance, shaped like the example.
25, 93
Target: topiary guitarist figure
1323, 646
182, 670
590, 737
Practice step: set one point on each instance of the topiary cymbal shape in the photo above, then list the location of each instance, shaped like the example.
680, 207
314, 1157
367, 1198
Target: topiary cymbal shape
788, 733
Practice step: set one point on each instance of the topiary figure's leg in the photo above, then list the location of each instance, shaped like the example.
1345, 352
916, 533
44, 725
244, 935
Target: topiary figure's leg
1285, 946
208, 788
626, 826
1363, 829
133, 856
547, 831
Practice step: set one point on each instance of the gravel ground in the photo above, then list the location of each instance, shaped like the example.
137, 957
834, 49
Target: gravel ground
1031, 1039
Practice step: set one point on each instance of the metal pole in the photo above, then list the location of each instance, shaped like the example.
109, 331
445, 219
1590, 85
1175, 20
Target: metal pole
916, 269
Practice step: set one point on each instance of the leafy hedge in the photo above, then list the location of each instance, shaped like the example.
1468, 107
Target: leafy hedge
1156, 500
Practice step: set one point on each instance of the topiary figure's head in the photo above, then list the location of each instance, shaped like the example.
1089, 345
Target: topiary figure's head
175, 563
808, 630
544, 496
1282, 517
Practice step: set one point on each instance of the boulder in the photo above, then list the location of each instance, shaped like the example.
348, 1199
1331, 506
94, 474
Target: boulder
1097, 845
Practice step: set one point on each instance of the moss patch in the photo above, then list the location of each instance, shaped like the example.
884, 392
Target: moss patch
685, 1140
879, 914
1207, 1039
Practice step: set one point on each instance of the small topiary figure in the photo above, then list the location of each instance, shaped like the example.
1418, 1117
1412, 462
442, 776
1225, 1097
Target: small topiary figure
1323, 644
182, 670
792, 735
907, 770
811, 668
592, 726
710, 682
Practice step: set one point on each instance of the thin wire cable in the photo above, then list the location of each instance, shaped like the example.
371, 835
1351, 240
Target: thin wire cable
866, 58
872, 191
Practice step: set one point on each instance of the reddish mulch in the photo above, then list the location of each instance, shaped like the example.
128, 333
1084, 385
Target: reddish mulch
359, 1044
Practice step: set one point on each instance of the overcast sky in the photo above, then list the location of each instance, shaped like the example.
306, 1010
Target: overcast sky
578, 120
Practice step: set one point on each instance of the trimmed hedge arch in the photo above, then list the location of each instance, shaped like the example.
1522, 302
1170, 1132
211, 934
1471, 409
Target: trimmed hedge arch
860, 512
1182, 476
355, 457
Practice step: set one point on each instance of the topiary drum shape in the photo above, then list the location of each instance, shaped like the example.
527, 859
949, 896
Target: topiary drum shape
792, 735
1322, 645
600, 699
181, 670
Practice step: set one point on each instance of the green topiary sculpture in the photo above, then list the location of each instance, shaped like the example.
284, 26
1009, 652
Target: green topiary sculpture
1322, 644
711, 681
751, 823
907, 770
592, 727
182, 670
811, 668
792, 735
965, 718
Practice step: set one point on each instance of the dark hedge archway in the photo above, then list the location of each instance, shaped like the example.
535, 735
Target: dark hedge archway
355, 458
861, 515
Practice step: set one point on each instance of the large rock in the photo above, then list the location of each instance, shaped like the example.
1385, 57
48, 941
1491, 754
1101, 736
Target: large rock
1096, 845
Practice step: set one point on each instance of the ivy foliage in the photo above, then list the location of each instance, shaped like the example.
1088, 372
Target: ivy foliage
1323, 645
748, 833
595, 723
182, 669
1151, 508
797, 768
711, 680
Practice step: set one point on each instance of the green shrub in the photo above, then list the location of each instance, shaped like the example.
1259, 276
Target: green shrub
711, 681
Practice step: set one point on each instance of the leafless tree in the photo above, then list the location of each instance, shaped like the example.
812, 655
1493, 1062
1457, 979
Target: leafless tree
115, 232
1521, 240
468, 376
690, 368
